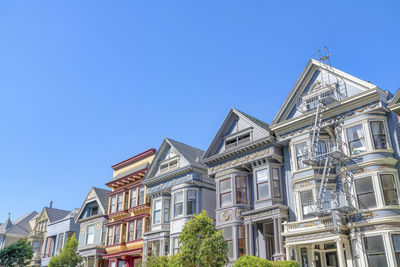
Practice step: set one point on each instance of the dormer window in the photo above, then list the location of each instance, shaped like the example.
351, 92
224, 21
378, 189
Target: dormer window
237, 141
170, 165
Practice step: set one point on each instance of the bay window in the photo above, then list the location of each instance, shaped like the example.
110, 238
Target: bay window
166, 210
299, 149
262, 178
133, 197
157, 212
191, 202
389, 189
131, 227
90, 235
365, 193
241, 190
276, 182
307, 203
225, 192
396, 247
139, 229
375, 251
117, 234
378, 134
356, 139
141, 196
178, 204
113, 204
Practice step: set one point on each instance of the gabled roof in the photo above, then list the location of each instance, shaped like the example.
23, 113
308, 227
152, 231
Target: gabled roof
260, 125
191, 154
56, 214
100, 195
6, 225
394, 104
20, 226
301, 82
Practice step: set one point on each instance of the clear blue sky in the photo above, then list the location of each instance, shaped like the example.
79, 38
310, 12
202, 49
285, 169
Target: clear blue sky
87, 84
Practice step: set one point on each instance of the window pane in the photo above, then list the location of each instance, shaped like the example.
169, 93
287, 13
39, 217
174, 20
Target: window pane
378, 134
117, 234
191, 202
262, 176
364, 185
241, 192
141, 196
365, 192
178, 204
157, 211
374, 244
355, 137
166, 210
139, 229
133, 197
226, 199
110, 236
90, 235
276, 182
389, 189
263, 190
113, 204
307, 203
225, 185
396, 242
119, 206
299, 155
130, 231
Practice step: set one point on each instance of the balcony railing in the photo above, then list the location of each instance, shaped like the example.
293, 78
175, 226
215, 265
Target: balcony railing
312, 224
315, 154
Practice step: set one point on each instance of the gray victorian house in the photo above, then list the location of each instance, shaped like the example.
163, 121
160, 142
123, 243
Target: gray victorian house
340, 143
179, 187
93, 218
247, 167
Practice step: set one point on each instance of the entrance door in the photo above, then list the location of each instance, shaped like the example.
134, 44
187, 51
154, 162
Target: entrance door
331, 259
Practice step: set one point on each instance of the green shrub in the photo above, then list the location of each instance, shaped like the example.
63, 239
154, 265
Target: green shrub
161, 261
251, 261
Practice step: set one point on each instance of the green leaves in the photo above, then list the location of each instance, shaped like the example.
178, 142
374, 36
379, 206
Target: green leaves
17, 254
68, 257
251, 261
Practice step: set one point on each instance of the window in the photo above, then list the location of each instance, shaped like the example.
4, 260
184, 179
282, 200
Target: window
90, 235
396, 246
365, 193
117, 234
276, 182
157, 211
110, 236
378, 134
262, 184
242, 241
175, 243
228, 236
375, 251
147, 227
166, 210
60, 241
300, 154
139, 229
133, 197
356, 140
141, 196
168, 166
131, 228
119, 205
121, 263
237, 141
306, 199
225, 192
191, 202
241, 193
113, 205
178, 204
389, 189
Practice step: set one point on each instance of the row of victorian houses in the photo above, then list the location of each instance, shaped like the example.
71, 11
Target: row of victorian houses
259, 184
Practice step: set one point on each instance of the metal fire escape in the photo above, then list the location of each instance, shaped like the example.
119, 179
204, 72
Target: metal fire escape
330, 156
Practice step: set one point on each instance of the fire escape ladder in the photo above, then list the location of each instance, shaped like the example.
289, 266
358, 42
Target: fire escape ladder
324, 183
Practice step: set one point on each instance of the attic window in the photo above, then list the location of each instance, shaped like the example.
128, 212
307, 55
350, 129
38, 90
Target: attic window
237, 141
168, 166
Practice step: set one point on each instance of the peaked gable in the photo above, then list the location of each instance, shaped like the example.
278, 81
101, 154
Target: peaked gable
237, 127
313, 74
394, 104
171, 150
97, 195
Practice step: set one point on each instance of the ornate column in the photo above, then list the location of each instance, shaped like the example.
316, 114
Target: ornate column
235, 242
278, 241
251, 240
145, 251
288, 252
162, 247
340, 252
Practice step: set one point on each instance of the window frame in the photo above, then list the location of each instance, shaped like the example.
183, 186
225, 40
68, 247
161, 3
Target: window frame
366, 254
242, 189
194, 205
133, 196
267, 170
296, 156
306, 216
227, 191
394, 251
157, 210
141, 195
176, 204
385, 133
278, 181
139, 221
120, 208
87, 234
110, 236
394, 177
166, 210
113, 210
365, 137
131, 232
117, 235
357, 194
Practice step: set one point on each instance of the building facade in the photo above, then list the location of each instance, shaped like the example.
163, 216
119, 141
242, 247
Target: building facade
93, 218
37, 235
179, 187
128, 212
247, 167
340, 155
11, 232
57, 234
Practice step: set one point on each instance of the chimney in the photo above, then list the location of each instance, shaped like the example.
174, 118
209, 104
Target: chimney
51, 204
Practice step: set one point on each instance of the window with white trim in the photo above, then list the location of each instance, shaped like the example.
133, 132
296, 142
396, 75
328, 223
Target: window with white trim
225, 192
178, 204
131, 229
378, 134
241, 190
119, 202
113, 206
389, 189
157, 211
139, 229
276, 182
307, 203
365, 193
262, 177
375, 251
133, 197
191, 202
356, 139
237, 141
117, 234
90, 235
141, 196
396, 247
300, 154
228, 236
166, 210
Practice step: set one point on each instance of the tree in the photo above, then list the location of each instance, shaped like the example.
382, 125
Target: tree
201, 243
68, 257
16, 254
